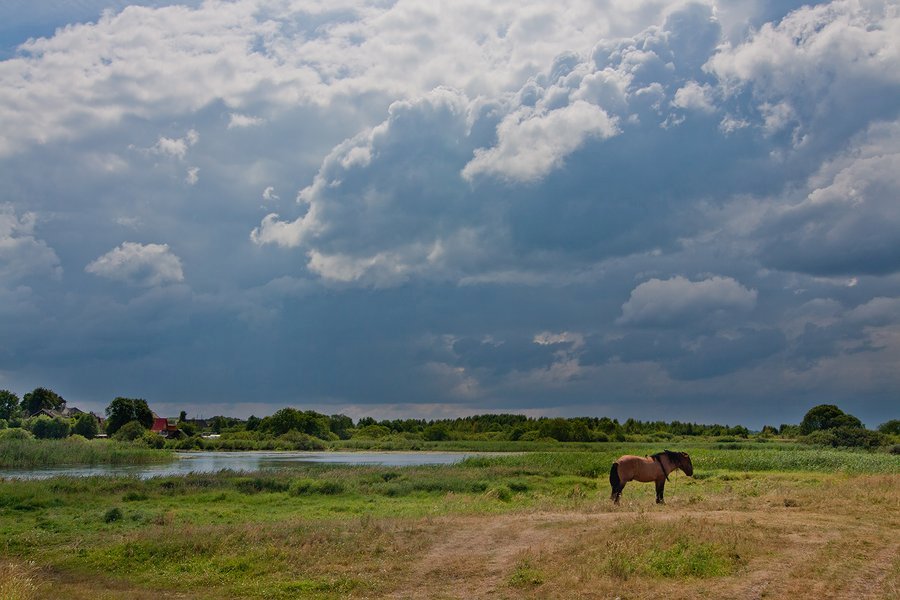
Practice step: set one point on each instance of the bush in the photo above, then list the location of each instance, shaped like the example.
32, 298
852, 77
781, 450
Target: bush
303, 487
16, 433
46, 428
86, 425
112, 515
847, 437
436, 433
301, 441
373, 432
891, 427
130, 431
152, 440
827, 416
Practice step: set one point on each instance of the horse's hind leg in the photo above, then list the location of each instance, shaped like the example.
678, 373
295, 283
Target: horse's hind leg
617, 492
615, 483
660, 489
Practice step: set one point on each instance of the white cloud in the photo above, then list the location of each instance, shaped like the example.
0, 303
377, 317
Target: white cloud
169, 61
22, 254
848, 222
175, 147
694, 96
824, 68
877, 311
193, 176
678, 300
530, 145
139, 264
237, 120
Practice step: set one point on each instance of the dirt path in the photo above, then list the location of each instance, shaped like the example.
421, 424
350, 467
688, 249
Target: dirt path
474, 557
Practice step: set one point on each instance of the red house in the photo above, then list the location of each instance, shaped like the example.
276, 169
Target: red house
164, 426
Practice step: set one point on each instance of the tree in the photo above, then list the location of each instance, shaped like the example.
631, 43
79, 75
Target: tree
40, 398
45, 428
891, 427
182, 416
436, 433
827, 416
9, 405
130, 431
86, 425
340, 425
122, 410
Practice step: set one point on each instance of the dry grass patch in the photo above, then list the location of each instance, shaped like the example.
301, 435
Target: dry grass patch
18, 580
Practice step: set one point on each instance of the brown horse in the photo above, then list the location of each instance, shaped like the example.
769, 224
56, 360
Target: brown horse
650, 468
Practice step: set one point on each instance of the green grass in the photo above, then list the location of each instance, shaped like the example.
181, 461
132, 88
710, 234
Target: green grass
329, 531
29, 454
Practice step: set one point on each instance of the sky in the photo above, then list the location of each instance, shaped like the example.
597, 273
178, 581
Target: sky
644, 208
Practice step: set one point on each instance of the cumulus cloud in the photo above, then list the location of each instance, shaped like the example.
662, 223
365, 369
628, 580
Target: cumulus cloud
848, 222
374, 206
531, 145
678, 300
22, 254
693, 96
175, 147
446, 158
815, 70
145, 265
237, 120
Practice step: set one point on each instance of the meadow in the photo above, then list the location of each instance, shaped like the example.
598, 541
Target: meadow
758, 520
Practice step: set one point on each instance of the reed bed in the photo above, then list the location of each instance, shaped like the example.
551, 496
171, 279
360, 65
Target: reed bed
30, 454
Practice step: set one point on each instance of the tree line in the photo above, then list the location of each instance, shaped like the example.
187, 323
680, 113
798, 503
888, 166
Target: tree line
131, 418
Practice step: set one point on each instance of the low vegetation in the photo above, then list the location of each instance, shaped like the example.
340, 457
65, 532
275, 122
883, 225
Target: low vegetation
21, 451
523, 525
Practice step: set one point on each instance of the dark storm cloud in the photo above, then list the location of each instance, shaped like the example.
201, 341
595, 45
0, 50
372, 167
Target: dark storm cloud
569, 209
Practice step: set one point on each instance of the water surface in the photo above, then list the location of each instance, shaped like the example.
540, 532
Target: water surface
212, 462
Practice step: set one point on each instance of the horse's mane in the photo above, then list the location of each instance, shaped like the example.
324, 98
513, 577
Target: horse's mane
675, 457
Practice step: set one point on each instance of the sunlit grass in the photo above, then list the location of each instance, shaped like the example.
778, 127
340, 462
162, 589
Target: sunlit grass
30, 454
336, 530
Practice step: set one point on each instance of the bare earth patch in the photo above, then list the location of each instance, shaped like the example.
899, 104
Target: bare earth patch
475, 557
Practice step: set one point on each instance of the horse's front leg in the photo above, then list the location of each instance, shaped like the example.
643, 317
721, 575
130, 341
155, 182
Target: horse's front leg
660, 488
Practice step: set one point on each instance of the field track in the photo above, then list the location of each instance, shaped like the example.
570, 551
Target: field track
476, 558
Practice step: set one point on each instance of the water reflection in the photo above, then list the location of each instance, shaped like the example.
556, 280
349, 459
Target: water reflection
211, 462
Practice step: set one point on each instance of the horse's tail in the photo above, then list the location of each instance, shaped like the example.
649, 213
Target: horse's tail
614, 479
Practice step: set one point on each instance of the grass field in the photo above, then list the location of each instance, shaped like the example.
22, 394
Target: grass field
757, 521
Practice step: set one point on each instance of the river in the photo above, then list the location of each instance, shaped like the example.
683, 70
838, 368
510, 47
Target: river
212, 462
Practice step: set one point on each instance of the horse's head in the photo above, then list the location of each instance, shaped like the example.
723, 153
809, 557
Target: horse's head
685, 464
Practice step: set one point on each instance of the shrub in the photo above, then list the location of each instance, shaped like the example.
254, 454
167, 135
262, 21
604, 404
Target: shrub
436, 433
152, 440
45, 428
86, 425
254, 485
891, 427
301, 441
16, 433
848, 437
827, 416
373, 432
112, 515
130, 431
303, 487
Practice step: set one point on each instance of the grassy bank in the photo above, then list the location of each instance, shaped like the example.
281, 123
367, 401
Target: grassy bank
30, 453
525, 525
